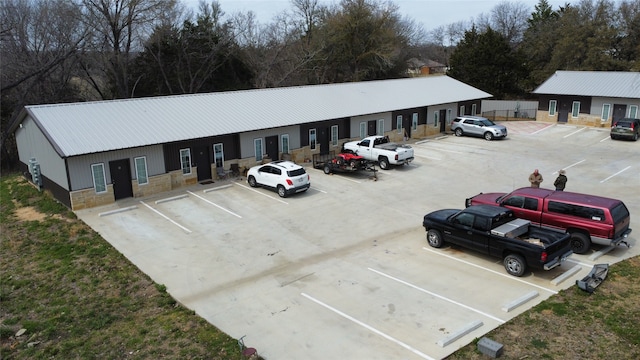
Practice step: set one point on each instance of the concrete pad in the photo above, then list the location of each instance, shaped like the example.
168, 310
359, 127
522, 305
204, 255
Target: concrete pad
339, 272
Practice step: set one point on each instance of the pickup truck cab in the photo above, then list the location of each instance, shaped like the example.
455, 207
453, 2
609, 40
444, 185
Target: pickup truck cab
381, 150
587, 218
495, 231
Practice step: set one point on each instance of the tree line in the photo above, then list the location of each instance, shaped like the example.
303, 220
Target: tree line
56, 51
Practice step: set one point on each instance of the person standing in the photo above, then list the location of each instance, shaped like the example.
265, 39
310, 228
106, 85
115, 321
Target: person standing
535, 179
561, 181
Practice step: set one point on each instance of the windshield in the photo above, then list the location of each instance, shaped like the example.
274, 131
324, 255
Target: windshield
487, 122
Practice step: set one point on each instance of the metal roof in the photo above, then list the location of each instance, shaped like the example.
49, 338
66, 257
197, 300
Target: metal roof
90, 127
616, 84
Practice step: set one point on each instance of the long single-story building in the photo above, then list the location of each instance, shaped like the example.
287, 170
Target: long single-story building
94, 153
592, 98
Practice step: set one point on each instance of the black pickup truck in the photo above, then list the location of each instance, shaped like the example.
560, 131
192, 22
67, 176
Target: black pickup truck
495, 231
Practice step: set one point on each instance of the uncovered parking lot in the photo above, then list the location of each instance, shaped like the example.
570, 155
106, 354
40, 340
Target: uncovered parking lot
343, 270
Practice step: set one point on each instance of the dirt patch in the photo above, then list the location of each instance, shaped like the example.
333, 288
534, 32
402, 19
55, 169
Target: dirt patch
30, 213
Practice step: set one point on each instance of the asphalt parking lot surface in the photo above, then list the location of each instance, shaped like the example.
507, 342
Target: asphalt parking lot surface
344, 270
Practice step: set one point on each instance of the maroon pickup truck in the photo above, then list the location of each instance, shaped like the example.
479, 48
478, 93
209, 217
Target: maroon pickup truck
589, 219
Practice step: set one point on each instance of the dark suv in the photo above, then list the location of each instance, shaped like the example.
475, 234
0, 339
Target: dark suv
626, 128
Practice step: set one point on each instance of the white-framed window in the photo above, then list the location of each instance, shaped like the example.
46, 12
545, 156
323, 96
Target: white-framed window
141, 170
633, 111
380, 130
473, 109
399, 124
414, 121
363, 130
99, 178
284, 140
435, 118
552, 107
449, 115
575, 109
257, 148
218, 155
461, 110
185, 161
312, 139
606, 108
334, 135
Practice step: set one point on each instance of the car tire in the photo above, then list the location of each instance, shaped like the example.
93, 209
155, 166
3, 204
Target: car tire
613, 137
252, 181
384, 163
327, 169
458, 132
635, 137
488, 136
434, 238
580, 243
282, 192
515, 264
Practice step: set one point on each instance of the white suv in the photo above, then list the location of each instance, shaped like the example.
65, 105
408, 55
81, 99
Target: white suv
285, 176
478, 126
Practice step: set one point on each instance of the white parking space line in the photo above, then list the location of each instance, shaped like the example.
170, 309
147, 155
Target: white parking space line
316, 189
214, 204
347, 178
570, 166
541, 130
511, 277
616, 174
427, 157
368, 327
606, 139
438, 296
575, 132
166, 217
265, 195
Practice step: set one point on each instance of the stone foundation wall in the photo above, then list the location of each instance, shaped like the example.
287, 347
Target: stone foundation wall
87, 198
157, 184
582, 119
180, 180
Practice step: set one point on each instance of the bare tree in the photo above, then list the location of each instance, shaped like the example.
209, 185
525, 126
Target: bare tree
119, 29
284, 52
510, 20
39, 40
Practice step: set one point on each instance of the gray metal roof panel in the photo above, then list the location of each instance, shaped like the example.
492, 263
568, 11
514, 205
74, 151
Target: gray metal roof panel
616, 84
90, 127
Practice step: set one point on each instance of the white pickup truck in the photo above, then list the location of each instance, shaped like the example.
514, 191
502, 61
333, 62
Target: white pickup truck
380, 149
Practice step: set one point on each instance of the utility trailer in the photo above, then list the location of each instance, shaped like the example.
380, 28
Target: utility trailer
345, 162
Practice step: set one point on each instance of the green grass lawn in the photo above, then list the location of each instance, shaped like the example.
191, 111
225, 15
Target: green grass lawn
79, 298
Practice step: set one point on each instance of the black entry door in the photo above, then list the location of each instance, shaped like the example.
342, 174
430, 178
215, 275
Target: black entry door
563, 111
442, 116
203, 163
272, 147
372, 129
323, 137
121, 178
406, 126
619, 111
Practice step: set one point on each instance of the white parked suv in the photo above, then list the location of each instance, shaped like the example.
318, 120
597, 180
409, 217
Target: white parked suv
286, 177
478, 126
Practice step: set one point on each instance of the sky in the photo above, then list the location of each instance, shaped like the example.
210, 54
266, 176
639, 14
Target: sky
431, 13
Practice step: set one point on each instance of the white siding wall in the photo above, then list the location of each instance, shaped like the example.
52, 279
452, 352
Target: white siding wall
246, 139
431, 110
32, 143
356, 120
80, 166
597, 102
